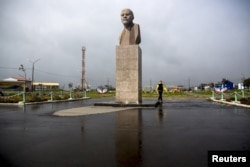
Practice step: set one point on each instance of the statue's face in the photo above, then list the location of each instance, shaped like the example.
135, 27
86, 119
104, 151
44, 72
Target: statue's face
126, 16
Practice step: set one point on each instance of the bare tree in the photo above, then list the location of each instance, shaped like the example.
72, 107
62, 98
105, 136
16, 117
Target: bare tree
70, 85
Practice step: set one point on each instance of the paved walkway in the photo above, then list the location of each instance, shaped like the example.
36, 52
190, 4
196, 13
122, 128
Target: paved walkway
180, 133
89, 110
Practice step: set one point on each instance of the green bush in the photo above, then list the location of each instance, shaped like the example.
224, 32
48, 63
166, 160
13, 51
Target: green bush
57, 97
230, 99
245, 101
34, 97
13, 99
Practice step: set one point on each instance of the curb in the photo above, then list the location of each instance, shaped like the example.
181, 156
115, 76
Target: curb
42, 102
230, 103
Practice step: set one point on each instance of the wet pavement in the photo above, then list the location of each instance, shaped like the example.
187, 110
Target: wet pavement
178, 133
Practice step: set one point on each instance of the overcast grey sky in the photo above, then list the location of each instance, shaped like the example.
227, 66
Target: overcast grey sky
203, 40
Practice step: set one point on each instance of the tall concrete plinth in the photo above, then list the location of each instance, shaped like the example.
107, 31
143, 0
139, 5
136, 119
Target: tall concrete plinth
128, 74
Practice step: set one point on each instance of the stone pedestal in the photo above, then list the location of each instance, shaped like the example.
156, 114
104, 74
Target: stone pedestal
128, 74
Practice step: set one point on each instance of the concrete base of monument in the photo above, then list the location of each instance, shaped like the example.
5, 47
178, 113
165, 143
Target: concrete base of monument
115, 104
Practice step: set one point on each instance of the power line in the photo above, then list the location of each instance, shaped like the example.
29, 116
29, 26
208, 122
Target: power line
15, 68
70, 76
12, 68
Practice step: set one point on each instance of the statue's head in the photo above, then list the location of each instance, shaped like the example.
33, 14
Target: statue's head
127, 17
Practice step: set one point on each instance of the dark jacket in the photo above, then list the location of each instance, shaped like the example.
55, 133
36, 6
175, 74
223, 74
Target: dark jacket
160, 87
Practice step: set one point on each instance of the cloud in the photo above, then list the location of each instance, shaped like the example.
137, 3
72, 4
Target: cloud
204, 41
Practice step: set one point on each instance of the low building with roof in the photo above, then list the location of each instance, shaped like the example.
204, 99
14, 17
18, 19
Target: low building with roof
15, 84
45, 85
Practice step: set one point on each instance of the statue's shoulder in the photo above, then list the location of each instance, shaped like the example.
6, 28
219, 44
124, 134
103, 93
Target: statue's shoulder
136, 26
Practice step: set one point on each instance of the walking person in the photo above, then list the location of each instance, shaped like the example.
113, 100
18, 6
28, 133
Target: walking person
160, 91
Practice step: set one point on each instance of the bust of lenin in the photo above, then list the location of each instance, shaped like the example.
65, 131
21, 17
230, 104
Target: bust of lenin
130, 35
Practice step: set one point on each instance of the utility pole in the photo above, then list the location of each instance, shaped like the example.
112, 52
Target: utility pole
83, 69
24, 87
33, 68
150, 86
188, 83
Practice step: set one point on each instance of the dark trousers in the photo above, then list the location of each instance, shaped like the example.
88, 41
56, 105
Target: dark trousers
160, 95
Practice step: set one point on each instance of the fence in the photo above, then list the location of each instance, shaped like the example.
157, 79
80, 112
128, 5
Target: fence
43, 96
230, 95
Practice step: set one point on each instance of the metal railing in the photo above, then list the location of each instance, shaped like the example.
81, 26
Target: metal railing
224, 95
50, 96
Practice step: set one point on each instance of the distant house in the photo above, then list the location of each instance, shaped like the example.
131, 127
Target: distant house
224, 86
45, 85
15, 83
240, 86
203, 87
173, 88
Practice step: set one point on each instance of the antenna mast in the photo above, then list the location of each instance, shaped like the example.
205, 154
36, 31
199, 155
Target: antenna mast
84, 85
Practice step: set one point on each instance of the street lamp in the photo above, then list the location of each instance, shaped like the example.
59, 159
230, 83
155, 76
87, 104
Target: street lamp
24, 89
32, 87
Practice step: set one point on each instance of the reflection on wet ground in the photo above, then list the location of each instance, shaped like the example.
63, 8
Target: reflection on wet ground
177, 133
